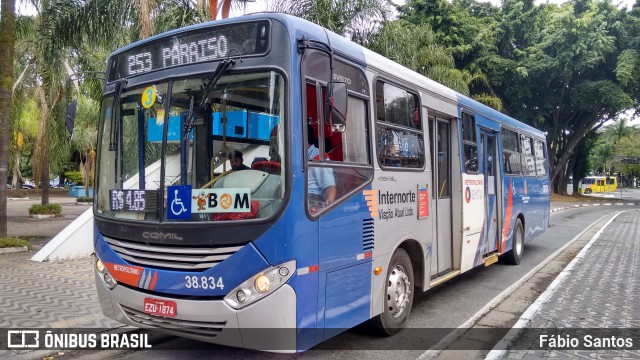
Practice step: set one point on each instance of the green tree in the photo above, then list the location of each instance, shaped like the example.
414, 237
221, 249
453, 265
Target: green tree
7, 41
557, 71
626, 147
464, 30
67, 36
358, 19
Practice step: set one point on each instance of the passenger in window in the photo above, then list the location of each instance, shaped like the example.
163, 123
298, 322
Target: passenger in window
236, 160
321, 182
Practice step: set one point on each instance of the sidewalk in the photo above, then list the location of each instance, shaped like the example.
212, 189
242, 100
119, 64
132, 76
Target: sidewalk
599, 290
47, 294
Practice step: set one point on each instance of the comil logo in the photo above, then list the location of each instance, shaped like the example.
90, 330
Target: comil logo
371, 196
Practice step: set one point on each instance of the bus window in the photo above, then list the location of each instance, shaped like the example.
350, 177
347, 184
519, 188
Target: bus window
539, 153
510, 152
470, 144
528, 161
443, 145
326, 148
400, 136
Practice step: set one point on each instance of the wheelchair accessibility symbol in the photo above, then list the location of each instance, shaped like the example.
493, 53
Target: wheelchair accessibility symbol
179, 202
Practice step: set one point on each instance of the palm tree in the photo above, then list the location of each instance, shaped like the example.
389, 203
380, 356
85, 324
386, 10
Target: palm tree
67, 36
7, 41
358, 19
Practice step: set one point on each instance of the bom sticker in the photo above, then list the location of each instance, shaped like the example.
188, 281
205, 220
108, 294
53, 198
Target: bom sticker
225, 200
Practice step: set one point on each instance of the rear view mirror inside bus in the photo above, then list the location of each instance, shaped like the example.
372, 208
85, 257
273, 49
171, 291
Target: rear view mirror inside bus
336, 108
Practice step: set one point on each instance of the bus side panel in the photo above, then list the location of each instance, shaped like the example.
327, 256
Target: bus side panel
473, 219
512, 189
342, 303
348, 299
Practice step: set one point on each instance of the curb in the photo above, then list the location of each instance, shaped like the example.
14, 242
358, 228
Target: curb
13, 250
42, 216
533, 309
587, 205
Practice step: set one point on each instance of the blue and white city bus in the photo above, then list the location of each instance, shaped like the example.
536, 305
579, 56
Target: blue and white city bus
263, 172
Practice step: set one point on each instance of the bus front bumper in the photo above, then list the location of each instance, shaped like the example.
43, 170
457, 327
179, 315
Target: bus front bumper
268, 325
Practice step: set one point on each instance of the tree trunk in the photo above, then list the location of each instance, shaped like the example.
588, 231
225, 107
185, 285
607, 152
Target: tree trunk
213, 9
7, 43
567, 151
17, 174
44, 176
226, 8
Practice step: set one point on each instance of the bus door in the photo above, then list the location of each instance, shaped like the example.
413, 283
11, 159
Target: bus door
440, 131
491, 186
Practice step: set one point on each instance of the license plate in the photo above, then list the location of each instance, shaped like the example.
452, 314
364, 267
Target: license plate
163, 308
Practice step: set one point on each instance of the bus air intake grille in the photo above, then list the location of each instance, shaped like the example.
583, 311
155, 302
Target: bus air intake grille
174, 258
178, 327
367, 235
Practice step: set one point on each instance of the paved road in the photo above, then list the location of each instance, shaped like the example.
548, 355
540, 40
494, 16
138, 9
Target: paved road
446, 306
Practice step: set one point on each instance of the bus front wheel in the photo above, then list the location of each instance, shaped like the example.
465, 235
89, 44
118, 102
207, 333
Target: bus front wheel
587, 191
398, 295
514, 256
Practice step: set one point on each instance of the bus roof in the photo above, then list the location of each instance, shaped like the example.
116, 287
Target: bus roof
362, 56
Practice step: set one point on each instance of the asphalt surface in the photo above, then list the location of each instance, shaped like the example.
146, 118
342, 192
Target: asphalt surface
447, 306
20, 224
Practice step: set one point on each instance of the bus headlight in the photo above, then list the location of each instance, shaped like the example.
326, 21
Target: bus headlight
103, 274
260, 285
100, 266
109, 280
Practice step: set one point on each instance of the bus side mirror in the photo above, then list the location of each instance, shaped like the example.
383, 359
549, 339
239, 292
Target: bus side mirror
71, 115
336, 106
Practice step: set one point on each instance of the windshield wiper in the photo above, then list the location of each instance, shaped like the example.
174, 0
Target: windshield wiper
115, 119
222, 68
116, 116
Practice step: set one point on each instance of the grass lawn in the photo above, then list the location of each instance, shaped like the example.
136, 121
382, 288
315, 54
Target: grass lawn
18, 241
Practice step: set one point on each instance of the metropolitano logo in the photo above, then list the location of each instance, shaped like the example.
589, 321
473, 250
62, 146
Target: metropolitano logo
23, 339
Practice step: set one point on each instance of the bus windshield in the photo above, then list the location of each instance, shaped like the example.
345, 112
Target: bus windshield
223, 150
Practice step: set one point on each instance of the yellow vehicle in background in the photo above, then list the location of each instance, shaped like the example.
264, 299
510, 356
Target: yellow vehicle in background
598, 184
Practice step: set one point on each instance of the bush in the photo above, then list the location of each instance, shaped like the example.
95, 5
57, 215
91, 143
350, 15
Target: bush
74, 177
84, 199
51, 209
14, 242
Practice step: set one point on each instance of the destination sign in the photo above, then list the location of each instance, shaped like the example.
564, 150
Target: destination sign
191, 47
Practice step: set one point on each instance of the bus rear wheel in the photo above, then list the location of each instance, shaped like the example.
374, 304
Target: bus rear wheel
514, 256
398, 295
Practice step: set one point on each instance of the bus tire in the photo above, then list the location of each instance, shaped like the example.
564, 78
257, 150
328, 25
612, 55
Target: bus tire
398, 295
514, 256
587, 191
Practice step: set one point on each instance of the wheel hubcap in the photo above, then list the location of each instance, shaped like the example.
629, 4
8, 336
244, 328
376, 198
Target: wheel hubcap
519, 241
398, 291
